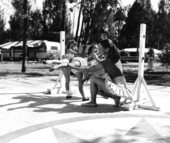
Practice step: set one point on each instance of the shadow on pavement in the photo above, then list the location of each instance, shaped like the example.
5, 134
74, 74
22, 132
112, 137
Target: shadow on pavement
31, 74
39, 103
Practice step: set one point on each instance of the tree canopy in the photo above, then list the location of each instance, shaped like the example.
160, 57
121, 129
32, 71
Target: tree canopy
122, 22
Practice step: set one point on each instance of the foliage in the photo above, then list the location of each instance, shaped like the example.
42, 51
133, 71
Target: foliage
16, 20
35, 25
95, 16
116, 22
55, 18
163, 24
2, 26
138, 13
122, 23
41, 25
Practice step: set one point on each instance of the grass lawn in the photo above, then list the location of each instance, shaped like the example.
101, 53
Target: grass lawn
9, 69
13, 70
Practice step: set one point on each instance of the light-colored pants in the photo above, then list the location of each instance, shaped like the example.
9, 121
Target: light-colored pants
119, 65
150, 63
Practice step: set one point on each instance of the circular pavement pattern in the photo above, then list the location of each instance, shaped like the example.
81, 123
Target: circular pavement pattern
117, 128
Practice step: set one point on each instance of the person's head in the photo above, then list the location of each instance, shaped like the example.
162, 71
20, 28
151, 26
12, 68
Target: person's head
108, 50
104, 34
104, 47
92, 49
72, 45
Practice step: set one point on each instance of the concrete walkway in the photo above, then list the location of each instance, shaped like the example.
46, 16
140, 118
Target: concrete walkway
29, 115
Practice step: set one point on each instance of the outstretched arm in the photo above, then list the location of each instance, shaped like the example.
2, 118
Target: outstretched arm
80, 69
95, 56
87, 70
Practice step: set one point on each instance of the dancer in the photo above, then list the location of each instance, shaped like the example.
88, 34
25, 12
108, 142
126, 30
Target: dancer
114, 75
77, 62
71, 51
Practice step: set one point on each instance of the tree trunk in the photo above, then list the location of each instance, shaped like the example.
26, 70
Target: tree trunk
78, 24
24, 36
63, 16
81, 33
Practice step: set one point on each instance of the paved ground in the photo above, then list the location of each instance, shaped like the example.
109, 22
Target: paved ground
29, 115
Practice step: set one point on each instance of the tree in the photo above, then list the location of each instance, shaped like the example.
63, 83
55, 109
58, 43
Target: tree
95, 15
2, 26
116, 22
55, 18
35, 25
16, 20
163, 24
140, 12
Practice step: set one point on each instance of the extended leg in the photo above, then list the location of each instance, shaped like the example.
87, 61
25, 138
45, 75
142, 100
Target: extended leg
66, 72
93, 92
96, 82
80, 82
62, 65
55, 61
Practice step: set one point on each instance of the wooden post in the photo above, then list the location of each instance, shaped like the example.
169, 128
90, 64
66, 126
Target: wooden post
62, 52
60, 80
140, 82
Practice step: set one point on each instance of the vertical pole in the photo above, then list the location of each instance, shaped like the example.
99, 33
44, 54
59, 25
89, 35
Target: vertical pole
73, 23
62, 43
142, 49
62, 52
141, 57
24, 36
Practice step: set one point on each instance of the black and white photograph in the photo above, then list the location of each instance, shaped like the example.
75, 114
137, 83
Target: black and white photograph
84, 71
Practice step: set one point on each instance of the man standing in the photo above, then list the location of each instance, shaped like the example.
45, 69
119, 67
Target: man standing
1, 56
150, 55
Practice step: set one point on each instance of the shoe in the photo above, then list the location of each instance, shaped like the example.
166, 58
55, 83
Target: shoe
117, 101
85, 99
51, 69
68, 96
89, 104
64, 92
44, 62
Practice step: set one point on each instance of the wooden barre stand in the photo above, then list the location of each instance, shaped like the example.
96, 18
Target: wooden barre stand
140, 81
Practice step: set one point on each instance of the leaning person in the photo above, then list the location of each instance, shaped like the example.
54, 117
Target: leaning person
71, 52
77, 62
114, 75
104, 35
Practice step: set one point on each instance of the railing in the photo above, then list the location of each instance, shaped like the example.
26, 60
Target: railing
129, 58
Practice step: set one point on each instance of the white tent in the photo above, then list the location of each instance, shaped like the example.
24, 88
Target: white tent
8, 45
36, 49
30, 43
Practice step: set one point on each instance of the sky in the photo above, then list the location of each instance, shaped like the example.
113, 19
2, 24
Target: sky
8, 8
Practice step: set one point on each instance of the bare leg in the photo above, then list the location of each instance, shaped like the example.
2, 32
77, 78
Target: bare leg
62, 65
75, 63
120, 79
55, 61
66, 72
80, 82
94, 83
